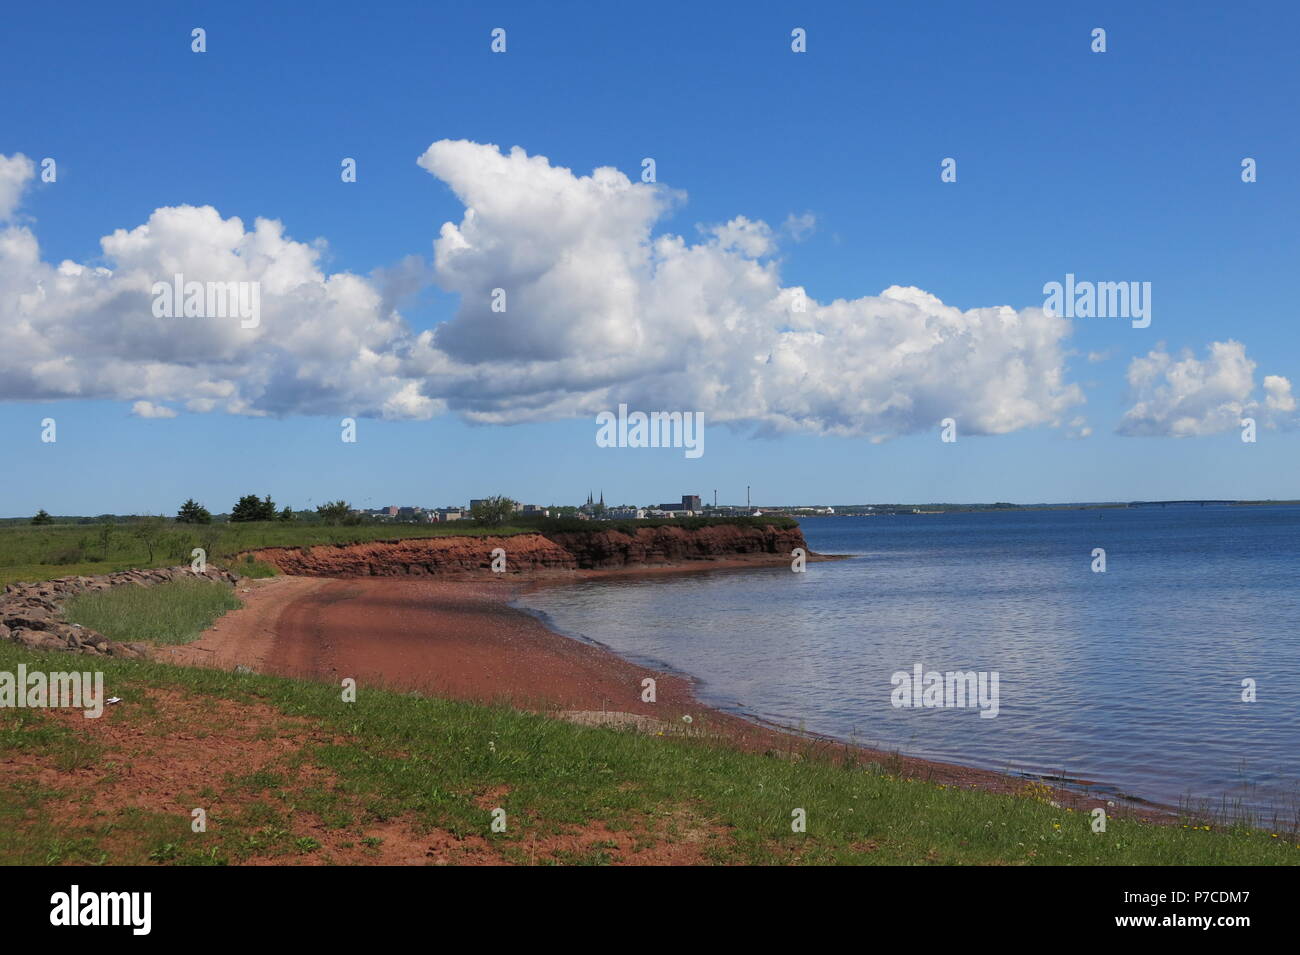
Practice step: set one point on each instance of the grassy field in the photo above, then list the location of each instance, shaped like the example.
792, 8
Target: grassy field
175, 612
32, 553
338, 781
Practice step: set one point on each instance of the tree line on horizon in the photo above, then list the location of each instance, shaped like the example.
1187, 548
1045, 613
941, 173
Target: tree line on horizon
247, 509
492, 512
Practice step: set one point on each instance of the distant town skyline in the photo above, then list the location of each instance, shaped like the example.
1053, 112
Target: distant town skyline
687, 506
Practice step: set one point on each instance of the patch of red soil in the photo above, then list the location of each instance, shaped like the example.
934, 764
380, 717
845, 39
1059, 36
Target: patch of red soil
190, 744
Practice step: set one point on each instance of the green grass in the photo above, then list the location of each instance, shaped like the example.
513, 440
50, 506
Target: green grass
170, 613
430, 763
249, 566
33, 553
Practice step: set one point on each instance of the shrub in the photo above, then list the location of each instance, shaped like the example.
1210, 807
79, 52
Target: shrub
335, 512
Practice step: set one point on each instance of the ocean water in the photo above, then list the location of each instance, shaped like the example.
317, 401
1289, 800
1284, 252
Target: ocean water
1129, 679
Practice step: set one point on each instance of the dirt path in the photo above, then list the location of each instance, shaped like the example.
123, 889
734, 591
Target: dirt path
244, 637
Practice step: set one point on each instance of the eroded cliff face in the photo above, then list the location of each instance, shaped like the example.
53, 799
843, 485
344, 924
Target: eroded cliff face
666, 544
530, 553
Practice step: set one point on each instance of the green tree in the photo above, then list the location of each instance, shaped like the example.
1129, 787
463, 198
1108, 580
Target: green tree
210, 539
149, 532
42, 518
335, 512
245, 509
192, 512
105, 538
493, 511
287, 514
249, 508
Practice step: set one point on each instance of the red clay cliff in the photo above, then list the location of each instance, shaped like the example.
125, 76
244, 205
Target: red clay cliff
604, 549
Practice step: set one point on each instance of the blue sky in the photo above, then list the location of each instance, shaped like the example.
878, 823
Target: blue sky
1123, 165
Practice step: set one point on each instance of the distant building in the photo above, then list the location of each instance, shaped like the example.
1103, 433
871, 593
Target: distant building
690, 503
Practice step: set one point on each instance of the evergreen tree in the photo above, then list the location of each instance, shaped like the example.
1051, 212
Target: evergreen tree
250, 508
192, 512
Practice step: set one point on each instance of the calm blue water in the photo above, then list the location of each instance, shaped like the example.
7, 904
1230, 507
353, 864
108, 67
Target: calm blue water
1130, 678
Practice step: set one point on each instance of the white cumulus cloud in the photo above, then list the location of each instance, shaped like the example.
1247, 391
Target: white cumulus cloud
1185, 396
599, 309
324, 343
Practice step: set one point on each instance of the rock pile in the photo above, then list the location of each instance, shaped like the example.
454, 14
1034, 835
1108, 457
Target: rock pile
31, 614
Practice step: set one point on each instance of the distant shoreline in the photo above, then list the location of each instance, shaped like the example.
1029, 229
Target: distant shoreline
798, 511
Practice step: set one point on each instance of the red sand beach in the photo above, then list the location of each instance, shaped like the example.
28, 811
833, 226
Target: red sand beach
461, 639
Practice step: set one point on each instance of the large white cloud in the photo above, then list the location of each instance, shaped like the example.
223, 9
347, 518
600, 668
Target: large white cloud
599, 310
324, 343
1185, 396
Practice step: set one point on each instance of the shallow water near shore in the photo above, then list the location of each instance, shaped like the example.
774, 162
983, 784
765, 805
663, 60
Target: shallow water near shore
1129, 679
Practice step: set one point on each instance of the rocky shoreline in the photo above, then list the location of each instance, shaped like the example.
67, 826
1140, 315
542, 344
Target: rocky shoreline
32, 614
